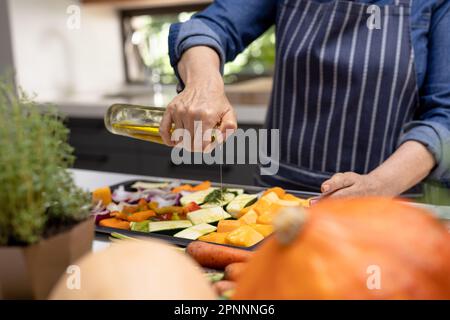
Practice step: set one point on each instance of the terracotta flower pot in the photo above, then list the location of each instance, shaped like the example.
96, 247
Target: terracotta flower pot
30, 272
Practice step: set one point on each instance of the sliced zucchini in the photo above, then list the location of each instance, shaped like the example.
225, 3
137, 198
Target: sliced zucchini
168, 225
236, 191
240, 202
208, 215
226, 198
149, 185
140, 226
195, 232
198, 197
201, 197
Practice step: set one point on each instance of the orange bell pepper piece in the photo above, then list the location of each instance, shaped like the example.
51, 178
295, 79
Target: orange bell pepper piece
103, 194
141, 216
184, 187
202, 186
115, 223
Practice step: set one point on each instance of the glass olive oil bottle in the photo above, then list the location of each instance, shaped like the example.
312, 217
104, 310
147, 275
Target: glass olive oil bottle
135, 121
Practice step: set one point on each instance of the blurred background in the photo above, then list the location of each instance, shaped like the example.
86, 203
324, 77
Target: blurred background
86, 55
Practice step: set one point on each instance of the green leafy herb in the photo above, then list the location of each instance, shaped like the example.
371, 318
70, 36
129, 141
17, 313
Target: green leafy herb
215, 196
37, 193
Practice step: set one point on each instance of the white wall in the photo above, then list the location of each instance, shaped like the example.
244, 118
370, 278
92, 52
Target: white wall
54, 61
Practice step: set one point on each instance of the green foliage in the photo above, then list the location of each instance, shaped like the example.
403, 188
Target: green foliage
152, 31
36, 190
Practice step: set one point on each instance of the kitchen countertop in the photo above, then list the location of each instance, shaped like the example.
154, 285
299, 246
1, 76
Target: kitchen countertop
249, 99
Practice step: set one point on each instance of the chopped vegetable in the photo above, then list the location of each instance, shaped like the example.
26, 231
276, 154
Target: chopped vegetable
141, 216
184, 187
169, 206
208, 215
215, 237
218, 199
120, 236
277, 190
244, 236
202, 186
168, 225
197, 197
115, 223
267, 218
249, 218
244, 211
142, 205
169, 209
215, 256
102, 194
119, 215
216, 196
187, 187
192, 206
194, 232
240, 202
149, 185
130, 209
228, 225
265, 229
140, 226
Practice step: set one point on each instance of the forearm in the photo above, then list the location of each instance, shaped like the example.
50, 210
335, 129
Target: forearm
200, 66
405, 168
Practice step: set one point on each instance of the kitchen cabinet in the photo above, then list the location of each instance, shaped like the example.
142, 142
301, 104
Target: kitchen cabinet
97, 149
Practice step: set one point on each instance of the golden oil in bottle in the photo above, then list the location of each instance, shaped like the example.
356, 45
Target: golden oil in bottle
139, 122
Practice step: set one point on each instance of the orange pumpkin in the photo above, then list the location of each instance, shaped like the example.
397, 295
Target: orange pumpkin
368, 248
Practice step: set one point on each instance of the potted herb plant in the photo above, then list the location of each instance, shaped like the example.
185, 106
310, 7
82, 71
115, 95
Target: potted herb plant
44, 217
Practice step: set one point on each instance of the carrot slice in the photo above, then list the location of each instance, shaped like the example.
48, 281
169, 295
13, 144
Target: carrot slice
142, 205
115, 223
202, 186
184, 187
141, 216
119, 215
130, 209
187, 187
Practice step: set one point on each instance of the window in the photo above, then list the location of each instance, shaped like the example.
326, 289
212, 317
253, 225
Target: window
145, 35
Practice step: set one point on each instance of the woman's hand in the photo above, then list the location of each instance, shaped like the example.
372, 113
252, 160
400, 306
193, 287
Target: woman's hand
350, 184
406, 167
203, 99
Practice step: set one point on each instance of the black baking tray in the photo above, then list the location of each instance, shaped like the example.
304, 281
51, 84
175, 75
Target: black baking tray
166, 236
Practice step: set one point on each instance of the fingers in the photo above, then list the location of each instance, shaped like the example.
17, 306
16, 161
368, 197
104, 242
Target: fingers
227, 127
228, 124
177, 116
165, 127
198, 113
347, 192
339, 181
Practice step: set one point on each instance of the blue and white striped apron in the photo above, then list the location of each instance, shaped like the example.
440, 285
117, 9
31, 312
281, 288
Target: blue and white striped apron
342, 91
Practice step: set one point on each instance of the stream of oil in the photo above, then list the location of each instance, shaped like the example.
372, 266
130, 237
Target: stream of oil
221, 180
